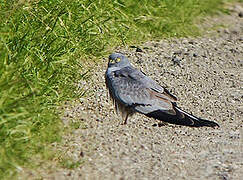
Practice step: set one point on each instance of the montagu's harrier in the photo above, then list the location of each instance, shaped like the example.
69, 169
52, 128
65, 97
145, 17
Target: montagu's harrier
132, 91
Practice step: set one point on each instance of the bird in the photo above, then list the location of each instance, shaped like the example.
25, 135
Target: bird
132, 91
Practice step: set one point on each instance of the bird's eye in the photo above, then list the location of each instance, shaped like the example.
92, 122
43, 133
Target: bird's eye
118, 59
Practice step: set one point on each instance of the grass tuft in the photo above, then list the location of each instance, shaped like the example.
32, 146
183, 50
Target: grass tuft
41, 44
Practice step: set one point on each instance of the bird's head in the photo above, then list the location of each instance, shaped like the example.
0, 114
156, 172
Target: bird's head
118, 60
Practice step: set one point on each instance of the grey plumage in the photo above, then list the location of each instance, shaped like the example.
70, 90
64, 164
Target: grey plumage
132, 91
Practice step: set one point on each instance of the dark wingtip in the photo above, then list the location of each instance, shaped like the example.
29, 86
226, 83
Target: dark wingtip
204, 122
186, 121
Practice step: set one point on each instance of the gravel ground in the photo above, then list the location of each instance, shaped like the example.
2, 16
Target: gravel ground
205, 74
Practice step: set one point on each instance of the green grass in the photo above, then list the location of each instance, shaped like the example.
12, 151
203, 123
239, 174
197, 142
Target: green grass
41, 44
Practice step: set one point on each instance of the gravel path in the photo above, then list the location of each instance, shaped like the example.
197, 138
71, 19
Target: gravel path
206, 76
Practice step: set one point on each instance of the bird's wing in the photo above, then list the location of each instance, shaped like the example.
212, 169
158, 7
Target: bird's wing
134, 89
151, 84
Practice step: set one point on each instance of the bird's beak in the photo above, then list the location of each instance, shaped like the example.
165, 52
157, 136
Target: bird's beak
112, 61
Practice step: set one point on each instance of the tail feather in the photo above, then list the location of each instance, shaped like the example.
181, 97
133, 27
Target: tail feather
181, 118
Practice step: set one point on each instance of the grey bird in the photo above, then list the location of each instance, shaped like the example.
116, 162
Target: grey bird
132, 91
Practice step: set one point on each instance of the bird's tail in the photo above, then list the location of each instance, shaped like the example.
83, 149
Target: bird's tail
181, 118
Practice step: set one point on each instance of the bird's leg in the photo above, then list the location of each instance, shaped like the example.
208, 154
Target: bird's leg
125, 122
